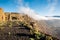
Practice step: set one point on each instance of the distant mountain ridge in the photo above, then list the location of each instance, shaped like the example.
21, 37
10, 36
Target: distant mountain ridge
52, 16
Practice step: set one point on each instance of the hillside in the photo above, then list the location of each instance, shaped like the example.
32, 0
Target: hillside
26, 28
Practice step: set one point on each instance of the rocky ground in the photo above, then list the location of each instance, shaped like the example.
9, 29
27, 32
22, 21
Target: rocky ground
27, 29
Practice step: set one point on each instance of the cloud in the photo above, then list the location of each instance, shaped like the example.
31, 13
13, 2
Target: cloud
20, 2
24, 8
52, 6
30, 12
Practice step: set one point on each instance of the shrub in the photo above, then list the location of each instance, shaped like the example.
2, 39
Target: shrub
31, 38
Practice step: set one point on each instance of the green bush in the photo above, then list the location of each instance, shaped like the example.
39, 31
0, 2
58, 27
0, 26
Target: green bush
31, 38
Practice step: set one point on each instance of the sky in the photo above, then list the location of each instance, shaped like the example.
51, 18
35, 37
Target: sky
41, 7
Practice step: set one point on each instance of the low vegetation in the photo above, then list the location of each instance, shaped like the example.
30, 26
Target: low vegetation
37, 35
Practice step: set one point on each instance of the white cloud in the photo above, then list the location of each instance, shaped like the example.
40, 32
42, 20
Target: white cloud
30, 12
52, 6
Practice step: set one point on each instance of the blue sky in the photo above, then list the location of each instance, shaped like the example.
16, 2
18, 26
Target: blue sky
42, 7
